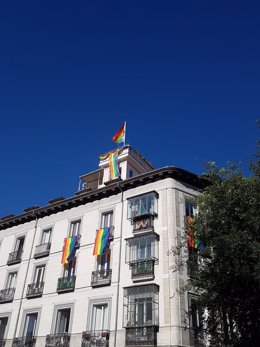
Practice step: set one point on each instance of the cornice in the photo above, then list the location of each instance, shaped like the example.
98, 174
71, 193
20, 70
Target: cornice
86, 196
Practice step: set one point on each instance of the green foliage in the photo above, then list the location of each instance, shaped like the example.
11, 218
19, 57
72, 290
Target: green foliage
228, 279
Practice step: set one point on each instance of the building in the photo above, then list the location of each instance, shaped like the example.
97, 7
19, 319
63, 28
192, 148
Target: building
127, 297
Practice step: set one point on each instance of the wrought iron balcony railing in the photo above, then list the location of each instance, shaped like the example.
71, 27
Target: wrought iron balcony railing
141, 336
95, 338
7, 295
34, 289
14, 257
101, 278
143, 268
58, 340
42, 250
24, 342
66, 284
2, 342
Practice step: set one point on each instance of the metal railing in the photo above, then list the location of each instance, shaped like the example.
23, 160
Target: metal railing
42, 250
58, 340
101, 278
24, 342
7, 295
66, 284
142, 268
95, 338
34, 289
14, 257
141, 336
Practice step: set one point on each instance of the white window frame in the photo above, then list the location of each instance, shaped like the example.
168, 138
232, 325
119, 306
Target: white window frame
98, 302
7, 286
8, 316
27, 312
42, 233
55, 313
78, 223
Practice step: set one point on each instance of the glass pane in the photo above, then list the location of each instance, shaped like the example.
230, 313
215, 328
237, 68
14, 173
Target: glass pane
46, 236
39, 274
107, 219
99, 317
3, 324
30, 326
75, 228
62, 322
11, 280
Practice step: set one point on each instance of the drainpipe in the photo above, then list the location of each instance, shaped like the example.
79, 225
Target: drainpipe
26, 274
119, 264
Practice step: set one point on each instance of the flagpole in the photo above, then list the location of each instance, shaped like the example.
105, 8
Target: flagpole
125, 134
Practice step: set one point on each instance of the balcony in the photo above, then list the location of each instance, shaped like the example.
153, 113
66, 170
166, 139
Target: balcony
24, 342
2, 342
34, 290
42, 250
66, 284
58, 340
95, 338
142, 270
14, 258
143, 225
144, 336
7, 295
101, 278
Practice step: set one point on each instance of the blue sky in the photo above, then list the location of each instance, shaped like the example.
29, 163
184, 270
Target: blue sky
185, 75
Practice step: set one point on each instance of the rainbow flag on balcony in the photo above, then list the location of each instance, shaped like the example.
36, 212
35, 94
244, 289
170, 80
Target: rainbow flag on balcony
119, 136
69, 249
113, 165
102, 241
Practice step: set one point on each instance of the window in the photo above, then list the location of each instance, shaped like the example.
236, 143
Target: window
11, 280
62, 321
39, 275
143, 205
131, 173
99, 317
18, 248
75, 228
30, 326
3, 326
196, 319
46, 236
107, 219
190, 209
141, 306
142, 248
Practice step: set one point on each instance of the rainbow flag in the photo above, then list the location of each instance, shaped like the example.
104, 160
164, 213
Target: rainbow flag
103, 156
113, 165
119, 137
102, 241
193, 241
69, 249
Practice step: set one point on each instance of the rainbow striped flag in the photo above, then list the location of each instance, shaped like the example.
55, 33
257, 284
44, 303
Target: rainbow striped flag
69, 249
102, 241
113, 165
119, 136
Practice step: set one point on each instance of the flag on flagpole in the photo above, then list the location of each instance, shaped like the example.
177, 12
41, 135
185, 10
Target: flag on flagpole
119, 136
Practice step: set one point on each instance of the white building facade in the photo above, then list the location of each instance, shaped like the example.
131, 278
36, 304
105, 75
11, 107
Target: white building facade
128, 297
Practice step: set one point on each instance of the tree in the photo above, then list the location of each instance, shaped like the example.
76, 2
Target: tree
228, 276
